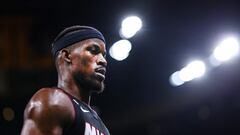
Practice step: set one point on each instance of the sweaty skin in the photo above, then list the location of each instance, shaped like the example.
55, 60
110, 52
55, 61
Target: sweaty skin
48, 112
81, 71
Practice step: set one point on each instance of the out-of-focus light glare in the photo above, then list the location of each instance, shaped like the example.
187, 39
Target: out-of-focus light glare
185, 75
213, 61
120, 50
227, 49
130, 26
193, 70
197, 68
8, 114
175, 79
126, 34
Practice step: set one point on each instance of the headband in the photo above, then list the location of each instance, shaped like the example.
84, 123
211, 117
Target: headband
75, 37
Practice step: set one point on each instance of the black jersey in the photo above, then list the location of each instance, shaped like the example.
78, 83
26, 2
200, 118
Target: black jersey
86, 122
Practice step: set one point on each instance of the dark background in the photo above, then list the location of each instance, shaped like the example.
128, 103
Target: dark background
138, 98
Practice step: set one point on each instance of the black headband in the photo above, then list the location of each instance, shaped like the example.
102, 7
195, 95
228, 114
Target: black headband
75, 37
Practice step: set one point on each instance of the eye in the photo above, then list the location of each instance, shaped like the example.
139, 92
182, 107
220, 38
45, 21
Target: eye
94, 49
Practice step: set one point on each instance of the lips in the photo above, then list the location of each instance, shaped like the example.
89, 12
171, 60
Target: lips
101, 73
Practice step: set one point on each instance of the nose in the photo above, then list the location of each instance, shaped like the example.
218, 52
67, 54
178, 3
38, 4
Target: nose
102, 61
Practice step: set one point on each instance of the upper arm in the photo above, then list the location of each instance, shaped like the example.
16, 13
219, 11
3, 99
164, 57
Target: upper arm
47, 113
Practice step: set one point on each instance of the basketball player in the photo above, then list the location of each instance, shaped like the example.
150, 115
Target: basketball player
79, 55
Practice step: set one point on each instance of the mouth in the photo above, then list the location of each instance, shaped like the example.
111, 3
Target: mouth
100, 72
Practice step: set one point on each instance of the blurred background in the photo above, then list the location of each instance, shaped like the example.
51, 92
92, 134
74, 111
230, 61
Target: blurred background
138, 99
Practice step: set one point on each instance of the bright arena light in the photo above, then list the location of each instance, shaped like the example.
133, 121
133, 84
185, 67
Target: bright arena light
130, 26
120, 50
193, 70
175, 79
197, 68
185, 75
227, 49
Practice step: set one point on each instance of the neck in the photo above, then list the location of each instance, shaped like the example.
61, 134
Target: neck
68, 84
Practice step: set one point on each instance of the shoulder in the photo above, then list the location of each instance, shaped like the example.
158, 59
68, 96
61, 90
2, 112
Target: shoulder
50, 104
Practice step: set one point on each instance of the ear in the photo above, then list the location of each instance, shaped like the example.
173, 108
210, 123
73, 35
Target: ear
66, 55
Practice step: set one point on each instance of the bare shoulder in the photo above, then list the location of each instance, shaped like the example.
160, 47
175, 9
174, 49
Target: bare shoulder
50, 104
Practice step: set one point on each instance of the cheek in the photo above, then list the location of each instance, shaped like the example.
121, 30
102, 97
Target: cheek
85, 61
87, 64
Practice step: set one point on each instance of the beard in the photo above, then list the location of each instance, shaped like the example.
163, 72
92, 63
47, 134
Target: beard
89, 82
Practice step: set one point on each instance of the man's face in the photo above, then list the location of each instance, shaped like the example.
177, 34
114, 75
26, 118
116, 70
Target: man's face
88, 64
